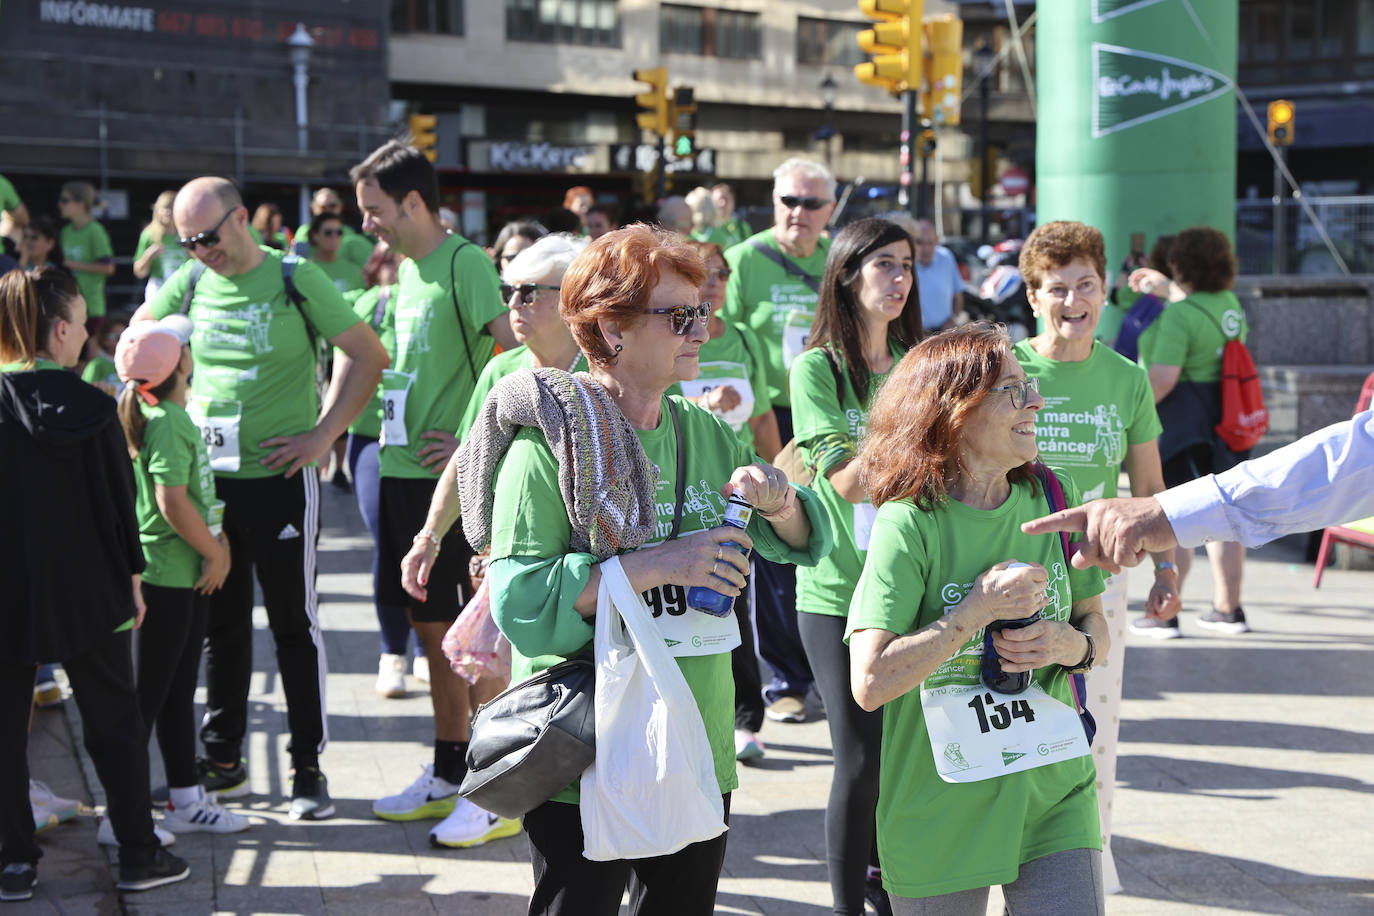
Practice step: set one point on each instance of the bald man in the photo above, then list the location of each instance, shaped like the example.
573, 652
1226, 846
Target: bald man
675, 215
937, 277
253, 396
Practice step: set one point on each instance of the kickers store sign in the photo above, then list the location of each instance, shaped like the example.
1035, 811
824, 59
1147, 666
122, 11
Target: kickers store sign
1133, 87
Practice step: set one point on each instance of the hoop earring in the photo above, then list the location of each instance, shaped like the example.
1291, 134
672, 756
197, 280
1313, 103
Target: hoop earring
618, 348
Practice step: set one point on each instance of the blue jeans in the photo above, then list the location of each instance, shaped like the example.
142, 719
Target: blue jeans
364, 465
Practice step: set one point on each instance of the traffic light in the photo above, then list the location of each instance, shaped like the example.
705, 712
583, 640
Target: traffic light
683, 117
422, 135
654, 117
1281, 122
944, 69
895, 43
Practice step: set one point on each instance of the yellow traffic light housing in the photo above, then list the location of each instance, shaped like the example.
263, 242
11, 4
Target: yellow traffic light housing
894, 41
654, 117
682, 112
944, 69
423, 136
1281, 113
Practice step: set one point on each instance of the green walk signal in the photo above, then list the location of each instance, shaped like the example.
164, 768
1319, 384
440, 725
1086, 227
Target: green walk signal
682, 146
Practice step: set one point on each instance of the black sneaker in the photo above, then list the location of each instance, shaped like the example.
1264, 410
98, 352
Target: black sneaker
1232, 622
310, 799
164, 869
17, 881
231, 782
1155, 628
876, 896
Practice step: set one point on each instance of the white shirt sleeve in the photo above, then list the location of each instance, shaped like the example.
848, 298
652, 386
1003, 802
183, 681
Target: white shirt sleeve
1326, 478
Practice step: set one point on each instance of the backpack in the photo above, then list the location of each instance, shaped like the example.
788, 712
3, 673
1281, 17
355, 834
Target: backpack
1139, 316
1244, 418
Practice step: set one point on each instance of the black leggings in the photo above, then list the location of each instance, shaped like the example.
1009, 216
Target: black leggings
855, 738
166, 663
566, 884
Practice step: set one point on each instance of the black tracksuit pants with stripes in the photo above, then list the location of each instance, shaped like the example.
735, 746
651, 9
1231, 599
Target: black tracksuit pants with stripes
273, 525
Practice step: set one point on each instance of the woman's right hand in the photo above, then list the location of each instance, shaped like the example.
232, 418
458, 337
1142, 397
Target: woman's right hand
1006, 593
1146, 279
416, 566
701, 558
214, 569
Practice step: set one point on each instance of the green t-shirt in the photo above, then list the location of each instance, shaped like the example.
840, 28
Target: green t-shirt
173, 455
501, 365
936, 837
88, 245
355, 246
345, 275
1094, 410
735, 358
431, 366
255, 369
715, 234
376, 306
776, 304
736, 230
9, 197
1189, 334
100, 369
532, 601
818, 411
172, 256
39, 363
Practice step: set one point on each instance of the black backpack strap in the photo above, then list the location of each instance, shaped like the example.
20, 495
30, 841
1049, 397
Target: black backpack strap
193, 275
289, 263
681, 471
786, 263
458, 312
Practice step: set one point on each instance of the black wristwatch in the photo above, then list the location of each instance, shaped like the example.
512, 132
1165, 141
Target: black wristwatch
1085, 666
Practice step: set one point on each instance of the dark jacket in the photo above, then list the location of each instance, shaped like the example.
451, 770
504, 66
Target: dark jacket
69, 539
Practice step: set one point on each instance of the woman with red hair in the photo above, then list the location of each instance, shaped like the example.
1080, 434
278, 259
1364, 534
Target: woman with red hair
632, 302
976, 786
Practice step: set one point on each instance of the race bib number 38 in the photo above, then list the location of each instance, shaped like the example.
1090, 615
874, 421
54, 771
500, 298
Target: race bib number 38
978, 734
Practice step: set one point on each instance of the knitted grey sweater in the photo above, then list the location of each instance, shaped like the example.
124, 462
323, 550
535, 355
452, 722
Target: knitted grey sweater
606, 480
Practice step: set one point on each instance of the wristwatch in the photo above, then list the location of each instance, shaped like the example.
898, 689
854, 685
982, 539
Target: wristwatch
1167, 564
1084, 666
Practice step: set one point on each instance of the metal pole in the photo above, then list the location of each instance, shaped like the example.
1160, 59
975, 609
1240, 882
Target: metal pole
1280, 245
301, 78
983, 160
922, 207
661, 182
908, 164
104, 150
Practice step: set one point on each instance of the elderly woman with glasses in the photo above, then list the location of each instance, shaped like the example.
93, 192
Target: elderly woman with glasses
985, 775
632, 302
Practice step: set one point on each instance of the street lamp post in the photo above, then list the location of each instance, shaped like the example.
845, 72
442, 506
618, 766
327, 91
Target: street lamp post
983, 57
300, 44
827, 132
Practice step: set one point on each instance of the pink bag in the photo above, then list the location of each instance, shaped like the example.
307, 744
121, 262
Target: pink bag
474, 646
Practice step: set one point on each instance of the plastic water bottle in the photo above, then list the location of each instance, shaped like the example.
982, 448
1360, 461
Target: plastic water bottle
993, 675
708, 600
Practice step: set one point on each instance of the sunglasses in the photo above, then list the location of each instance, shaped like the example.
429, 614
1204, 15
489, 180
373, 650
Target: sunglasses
331, 233
806, 203
1020, 390
527, 291
208, 238
681, 317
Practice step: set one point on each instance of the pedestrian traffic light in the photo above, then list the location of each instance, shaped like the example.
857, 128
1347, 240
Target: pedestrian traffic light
683, 115
895, 43
944, 69
654, 117
422, 135
1281, 122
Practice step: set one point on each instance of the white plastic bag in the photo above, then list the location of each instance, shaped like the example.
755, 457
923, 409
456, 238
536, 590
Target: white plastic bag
653, 787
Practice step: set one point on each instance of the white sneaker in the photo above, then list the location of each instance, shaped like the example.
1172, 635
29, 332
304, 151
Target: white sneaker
469, 825
426, 798
105, 835
419, 669
391, 676
204, 816
48, 809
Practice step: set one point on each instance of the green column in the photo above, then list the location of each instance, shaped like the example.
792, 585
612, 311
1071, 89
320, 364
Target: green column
1136, 128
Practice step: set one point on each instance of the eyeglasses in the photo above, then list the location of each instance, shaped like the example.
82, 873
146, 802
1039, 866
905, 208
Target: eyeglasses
806, 203
527, 291
1020, 390
331, 233
681, 317
720, 273
208, 238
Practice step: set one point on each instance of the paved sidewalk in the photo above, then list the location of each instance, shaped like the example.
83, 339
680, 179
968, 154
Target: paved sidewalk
1246, 782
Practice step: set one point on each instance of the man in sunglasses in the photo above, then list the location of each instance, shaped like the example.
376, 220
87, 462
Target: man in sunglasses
253, 396
774, 283
449, 318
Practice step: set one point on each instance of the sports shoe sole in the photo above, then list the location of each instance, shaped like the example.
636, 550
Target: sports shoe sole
1222, 626
437, 809
318, 814
235, 791
16, 896
750, 751
147, 884
1157, 632
506, 827
393, 693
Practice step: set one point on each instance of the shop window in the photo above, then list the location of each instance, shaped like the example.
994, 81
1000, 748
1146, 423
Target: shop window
709, 32
576, 22
827, 42
682, 29
441, 16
